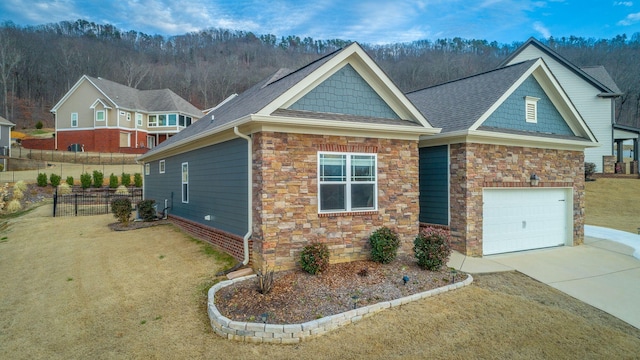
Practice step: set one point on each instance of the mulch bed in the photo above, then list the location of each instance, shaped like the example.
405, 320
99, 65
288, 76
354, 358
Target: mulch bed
298, 297
134, 225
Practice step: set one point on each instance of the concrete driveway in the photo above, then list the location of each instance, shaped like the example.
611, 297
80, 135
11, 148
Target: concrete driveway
602, 273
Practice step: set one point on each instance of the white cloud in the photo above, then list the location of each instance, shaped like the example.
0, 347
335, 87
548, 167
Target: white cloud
630, 19
623, 3
539, 27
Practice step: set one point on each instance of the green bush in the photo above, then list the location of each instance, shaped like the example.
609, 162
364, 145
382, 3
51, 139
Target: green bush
384, 245
85, 180
98, 178
55, 179
113, 181
126, 179
69, 180
137, 180
121, 209
146, 210
39, 125
589, 169
432, 248
1, 167
314, 258
42, 180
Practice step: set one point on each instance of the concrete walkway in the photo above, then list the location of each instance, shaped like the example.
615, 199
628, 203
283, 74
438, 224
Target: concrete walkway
603, 272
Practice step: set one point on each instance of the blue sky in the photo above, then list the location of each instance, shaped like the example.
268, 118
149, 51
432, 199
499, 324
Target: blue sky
365, 21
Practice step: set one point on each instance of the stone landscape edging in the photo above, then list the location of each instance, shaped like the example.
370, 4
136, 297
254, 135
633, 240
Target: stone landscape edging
295, 333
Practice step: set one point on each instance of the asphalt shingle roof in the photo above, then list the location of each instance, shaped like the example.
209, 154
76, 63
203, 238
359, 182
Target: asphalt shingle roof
145, 100
249, 102
457, 105
4, 121
602, 75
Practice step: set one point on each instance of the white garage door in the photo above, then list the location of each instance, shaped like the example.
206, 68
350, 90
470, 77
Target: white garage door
524, 219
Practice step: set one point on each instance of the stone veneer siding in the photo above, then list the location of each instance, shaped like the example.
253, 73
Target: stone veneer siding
478, 166
285, 197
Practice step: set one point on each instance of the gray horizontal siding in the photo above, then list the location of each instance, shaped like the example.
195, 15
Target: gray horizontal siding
434, 185
217, 186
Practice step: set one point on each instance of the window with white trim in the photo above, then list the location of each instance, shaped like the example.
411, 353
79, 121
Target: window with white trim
347, 182
185, 182
74, 119
531, 109
147, 169
139, 119
99, 115
161, 166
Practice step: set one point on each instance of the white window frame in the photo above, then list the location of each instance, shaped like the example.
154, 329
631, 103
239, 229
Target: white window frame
531, 109
104, 115
74, 119
185, 182
161, 166
147, 169
348, 182
139, 119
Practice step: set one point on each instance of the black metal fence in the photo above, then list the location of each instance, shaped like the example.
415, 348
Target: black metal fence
90, 201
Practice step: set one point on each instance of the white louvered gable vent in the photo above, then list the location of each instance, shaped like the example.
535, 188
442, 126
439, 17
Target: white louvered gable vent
531, 109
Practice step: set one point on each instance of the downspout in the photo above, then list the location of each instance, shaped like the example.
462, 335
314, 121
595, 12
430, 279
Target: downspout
249, 194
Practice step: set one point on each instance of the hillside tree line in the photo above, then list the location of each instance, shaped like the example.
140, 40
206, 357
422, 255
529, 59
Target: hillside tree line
39, 64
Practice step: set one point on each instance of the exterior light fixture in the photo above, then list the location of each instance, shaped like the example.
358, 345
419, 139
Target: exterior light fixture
535, 179
264, 317
405, 279
355, 299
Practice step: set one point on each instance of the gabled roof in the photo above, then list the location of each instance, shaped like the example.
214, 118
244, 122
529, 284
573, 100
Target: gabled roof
128, 98
460, 107
595, 81
457, 105
268, 102
602, 75
4, 121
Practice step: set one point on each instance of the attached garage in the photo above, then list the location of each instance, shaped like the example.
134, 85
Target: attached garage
517, 219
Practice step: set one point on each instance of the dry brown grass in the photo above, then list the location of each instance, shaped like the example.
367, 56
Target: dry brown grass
72, 289
613, 203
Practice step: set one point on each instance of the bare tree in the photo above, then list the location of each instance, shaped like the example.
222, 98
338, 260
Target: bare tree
9, 59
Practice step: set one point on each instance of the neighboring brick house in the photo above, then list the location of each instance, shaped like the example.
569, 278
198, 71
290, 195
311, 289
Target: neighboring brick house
327, 153
506, 173
593, 92
105, 116
5, 141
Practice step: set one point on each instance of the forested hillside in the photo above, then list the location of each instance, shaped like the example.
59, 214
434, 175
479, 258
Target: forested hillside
38, 64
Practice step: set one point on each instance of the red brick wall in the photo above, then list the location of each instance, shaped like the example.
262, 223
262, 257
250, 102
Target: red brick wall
101, 140
286, 198
478, 166
38, 144
227, 242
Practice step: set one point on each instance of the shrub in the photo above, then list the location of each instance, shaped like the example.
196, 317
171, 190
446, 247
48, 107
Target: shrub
265, 281
20, 185
384, 245
113, 181
122, 190
69, 180
42, 179
121, 209
126, 179
314, 258
1, 167
98, 178
85, 180
18, 194
39, 125
589, 169
432, 248
55, 179
14, 206
64, 189
146, 210
137, 180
